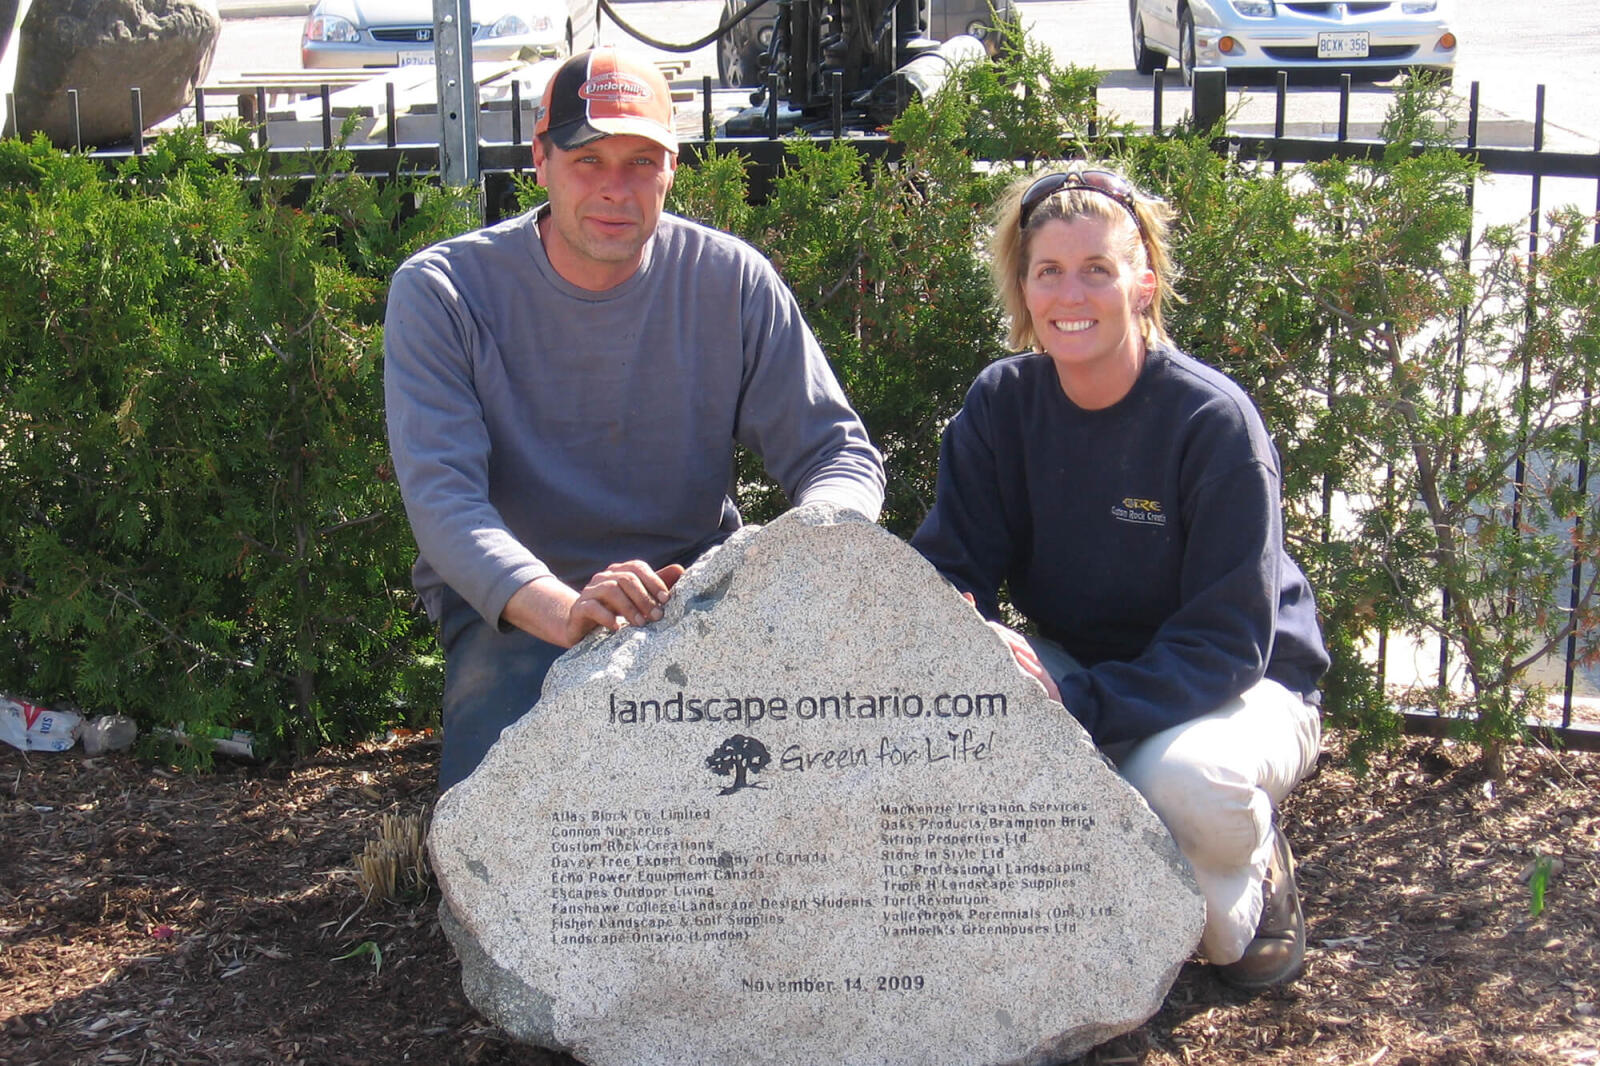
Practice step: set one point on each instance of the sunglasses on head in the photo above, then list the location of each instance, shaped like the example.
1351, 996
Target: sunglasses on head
1103, 182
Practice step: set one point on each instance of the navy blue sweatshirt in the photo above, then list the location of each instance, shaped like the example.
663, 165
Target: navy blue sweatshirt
1146, 538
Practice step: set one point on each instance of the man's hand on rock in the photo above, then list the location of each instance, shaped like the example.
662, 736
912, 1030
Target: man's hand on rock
629, 593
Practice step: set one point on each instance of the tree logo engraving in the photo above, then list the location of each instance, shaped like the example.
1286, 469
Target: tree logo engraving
739, 756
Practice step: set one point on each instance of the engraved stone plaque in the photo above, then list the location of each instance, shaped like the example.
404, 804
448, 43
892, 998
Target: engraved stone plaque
815, 814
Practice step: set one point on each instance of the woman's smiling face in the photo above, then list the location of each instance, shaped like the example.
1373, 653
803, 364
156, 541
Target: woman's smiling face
1085, 299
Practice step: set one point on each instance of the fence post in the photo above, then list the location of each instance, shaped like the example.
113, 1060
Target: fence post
707, 134
774, 84
836, 101
137, 103
1209, 99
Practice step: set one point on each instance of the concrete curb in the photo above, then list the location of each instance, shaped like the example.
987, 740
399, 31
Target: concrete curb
257, 9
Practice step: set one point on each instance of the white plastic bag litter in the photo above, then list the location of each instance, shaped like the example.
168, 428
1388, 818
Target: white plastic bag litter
33, 728
108, 732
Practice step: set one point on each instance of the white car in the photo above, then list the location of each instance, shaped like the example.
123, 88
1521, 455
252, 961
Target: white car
397, 33
1267, 35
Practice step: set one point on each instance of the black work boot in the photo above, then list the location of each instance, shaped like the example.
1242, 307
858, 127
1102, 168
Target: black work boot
1278, 951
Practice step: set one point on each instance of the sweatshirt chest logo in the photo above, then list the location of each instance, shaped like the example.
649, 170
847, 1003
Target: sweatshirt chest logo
1138, 511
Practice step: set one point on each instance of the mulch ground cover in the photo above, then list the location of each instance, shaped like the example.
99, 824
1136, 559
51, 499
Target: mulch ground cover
153, 916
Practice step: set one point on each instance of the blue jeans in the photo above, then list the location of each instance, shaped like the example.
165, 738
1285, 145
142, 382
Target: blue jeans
491, 679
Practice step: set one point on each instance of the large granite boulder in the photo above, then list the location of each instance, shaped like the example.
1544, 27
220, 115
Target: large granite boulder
813, 815
104, 48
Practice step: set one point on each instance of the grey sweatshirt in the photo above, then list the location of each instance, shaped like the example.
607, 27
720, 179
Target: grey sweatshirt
539, 428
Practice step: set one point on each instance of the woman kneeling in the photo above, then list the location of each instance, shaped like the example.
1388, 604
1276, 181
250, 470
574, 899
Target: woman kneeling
1127, 496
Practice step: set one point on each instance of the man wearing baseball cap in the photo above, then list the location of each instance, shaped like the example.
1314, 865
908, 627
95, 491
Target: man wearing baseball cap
565, 390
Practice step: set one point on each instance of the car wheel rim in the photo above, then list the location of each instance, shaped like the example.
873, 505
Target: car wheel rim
1187, 49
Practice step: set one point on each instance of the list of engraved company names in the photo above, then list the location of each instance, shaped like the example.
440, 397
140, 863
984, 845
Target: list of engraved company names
634, 877
975, 869
923, 871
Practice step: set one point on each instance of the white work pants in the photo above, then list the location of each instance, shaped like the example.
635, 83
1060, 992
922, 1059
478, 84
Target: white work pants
1215, 781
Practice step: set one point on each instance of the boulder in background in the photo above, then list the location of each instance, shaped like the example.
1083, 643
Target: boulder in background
104, 48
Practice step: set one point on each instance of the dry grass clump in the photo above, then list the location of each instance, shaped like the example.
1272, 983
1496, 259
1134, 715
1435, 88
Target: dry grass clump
394, 867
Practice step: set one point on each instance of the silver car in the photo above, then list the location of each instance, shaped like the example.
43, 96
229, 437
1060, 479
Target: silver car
1264, 35
397, 33
739, 51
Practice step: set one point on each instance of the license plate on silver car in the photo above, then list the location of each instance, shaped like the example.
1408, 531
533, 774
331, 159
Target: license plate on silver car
1346, 44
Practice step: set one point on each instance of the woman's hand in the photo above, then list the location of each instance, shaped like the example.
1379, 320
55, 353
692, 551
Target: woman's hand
1023, 653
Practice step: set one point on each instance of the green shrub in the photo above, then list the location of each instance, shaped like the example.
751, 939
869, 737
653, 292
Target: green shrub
198, 525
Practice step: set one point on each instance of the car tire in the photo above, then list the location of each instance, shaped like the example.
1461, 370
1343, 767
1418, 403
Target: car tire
738, 59
1146, 60
1186, 52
